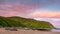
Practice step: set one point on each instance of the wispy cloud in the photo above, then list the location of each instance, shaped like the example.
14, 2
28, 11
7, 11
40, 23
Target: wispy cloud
45, 14
11, 10
22, 7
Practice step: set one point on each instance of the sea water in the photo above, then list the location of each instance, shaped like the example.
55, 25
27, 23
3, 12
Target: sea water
55, 30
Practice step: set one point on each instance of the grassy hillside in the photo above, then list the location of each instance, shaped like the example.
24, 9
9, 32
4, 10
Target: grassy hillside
31, 23
5, 22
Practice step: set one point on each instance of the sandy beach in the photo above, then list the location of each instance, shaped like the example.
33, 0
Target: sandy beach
22, 31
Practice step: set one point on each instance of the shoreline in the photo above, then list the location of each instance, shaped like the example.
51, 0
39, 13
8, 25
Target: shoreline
23, 31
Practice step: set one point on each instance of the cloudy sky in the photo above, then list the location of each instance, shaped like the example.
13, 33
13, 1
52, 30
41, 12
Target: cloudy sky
31, 8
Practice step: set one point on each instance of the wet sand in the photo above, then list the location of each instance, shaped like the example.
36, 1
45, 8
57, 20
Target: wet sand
22, 31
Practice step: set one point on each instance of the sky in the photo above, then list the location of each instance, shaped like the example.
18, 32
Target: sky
31, 9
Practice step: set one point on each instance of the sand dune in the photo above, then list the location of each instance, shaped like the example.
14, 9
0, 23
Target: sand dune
22, 31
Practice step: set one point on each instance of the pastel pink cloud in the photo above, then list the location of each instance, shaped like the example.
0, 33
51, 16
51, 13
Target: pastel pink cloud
13, 13
45, 14
16, 9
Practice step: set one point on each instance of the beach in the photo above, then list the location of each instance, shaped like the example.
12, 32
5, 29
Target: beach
23, 31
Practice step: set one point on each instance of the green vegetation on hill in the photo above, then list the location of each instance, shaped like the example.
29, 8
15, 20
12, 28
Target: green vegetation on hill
23, 22
5, 22
31, 23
